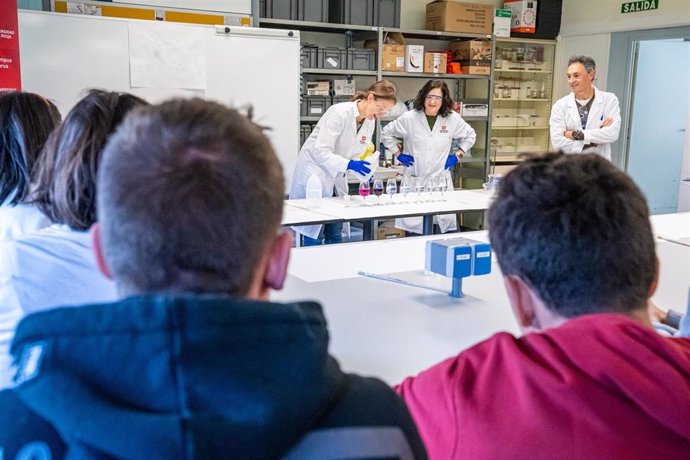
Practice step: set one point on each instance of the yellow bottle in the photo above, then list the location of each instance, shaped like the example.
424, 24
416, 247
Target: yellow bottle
367, 152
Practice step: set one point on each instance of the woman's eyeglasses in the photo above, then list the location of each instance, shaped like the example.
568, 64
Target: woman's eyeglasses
381, 109
434, 97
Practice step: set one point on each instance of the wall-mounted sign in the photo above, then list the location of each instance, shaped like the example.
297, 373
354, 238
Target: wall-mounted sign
10, 76
643, 5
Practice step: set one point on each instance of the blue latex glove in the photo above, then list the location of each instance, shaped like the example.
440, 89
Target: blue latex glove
406, 160
360, 167
451, 161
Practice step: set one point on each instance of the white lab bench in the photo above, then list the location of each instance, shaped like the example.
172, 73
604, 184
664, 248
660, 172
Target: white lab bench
393, 330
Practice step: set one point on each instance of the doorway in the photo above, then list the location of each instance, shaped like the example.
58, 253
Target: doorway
658, 116
654, 92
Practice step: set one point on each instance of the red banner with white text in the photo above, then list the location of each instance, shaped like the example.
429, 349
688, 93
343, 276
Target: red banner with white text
10, 75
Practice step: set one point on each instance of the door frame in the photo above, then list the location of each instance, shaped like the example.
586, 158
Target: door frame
621, 77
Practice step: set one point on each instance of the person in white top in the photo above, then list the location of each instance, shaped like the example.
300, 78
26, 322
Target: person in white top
26, 121
342, 134
55, 266
427, 133
587, 119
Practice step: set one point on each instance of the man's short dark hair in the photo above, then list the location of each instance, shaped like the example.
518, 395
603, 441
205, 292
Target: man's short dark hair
577, 230
190, 194
586, 61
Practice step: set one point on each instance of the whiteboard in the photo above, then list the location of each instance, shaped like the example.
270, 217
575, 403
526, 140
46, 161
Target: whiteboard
63, 55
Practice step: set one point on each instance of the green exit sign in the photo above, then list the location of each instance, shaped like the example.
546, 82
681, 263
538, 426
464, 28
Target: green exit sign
644, 5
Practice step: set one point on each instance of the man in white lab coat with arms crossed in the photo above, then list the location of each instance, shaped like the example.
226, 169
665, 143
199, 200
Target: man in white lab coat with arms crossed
587, 119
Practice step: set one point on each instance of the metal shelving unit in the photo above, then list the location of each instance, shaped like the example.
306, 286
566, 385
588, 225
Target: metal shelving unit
523, 77
466, 87
371, 73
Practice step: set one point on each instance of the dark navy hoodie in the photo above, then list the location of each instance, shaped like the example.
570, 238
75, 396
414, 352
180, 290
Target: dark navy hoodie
167, 377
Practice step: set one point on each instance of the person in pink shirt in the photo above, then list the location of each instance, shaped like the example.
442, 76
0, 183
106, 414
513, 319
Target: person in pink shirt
589, 378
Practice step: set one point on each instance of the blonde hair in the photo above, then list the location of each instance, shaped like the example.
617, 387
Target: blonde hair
382, 89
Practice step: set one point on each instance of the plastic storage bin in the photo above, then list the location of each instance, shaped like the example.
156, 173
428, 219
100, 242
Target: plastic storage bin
309, 55
361, 59
387, 13
314, 106
312, 10
304, 132
360, 12
339, 99
279, 9
332, 58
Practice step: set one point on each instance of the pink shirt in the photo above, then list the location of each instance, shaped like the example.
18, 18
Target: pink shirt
600, 386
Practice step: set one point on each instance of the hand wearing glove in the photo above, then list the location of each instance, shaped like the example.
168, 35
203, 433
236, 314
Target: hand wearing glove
451, 161
360, 167
406, 160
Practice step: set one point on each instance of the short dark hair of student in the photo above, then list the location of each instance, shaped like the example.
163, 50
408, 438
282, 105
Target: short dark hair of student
446, 106
576, 229
190, 193
65, 180
26, 121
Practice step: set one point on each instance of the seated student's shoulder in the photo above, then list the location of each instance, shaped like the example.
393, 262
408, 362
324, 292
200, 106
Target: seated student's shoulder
366, 420
23, 434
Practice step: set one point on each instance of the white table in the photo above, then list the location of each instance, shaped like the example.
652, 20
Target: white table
296, 215
339, 209
672, 226
391, 330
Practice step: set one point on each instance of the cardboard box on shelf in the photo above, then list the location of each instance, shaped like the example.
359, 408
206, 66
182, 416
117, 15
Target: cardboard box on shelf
414, 58
524, 15
474, 55
319, 88
449, 16
502, 22
435, 62
343, 87
385, 233
393, 58
475, 110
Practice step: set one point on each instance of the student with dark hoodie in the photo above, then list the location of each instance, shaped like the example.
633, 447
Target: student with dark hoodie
194, 361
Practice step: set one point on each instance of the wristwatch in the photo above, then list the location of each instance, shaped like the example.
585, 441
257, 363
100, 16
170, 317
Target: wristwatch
578, 135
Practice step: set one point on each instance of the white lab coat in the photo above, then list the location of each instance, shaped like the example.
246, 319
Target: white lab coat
430, 149
51, 267
331, 145
20, 219
565, 117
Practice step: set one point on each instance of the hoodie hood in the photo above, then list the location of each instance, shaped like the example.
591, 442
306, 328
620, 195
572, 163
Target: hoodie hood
178, 376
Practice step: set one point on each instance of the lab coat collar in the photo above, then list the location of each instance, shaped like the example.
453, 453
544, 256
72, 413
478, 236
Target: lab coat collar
597, 98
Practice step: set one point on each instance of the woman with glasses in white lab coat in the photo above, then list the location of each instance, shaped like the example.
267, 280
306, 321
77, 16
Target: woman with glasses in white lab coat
427, 133
342, 134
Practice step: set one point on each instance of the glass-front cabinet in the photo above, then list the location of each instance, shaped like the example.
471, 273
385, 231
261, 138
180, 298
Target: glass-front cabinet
521, 94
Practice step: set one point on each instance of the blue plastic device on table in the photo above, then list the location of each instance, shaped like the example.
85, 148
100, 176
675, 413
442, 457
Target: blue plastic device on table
458, 258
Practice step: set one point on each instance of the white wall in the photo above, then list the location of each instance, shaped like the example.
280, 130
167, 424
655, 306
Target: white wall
584, 17
586, 27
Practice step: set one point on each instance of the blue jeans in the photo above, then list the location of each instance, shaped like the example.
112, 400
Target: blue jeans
331, 233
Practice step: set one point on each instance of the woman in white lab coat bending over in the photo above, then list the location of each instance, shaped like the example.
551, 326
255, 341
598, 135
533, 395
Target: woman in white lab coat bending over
427, 133
334, 146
